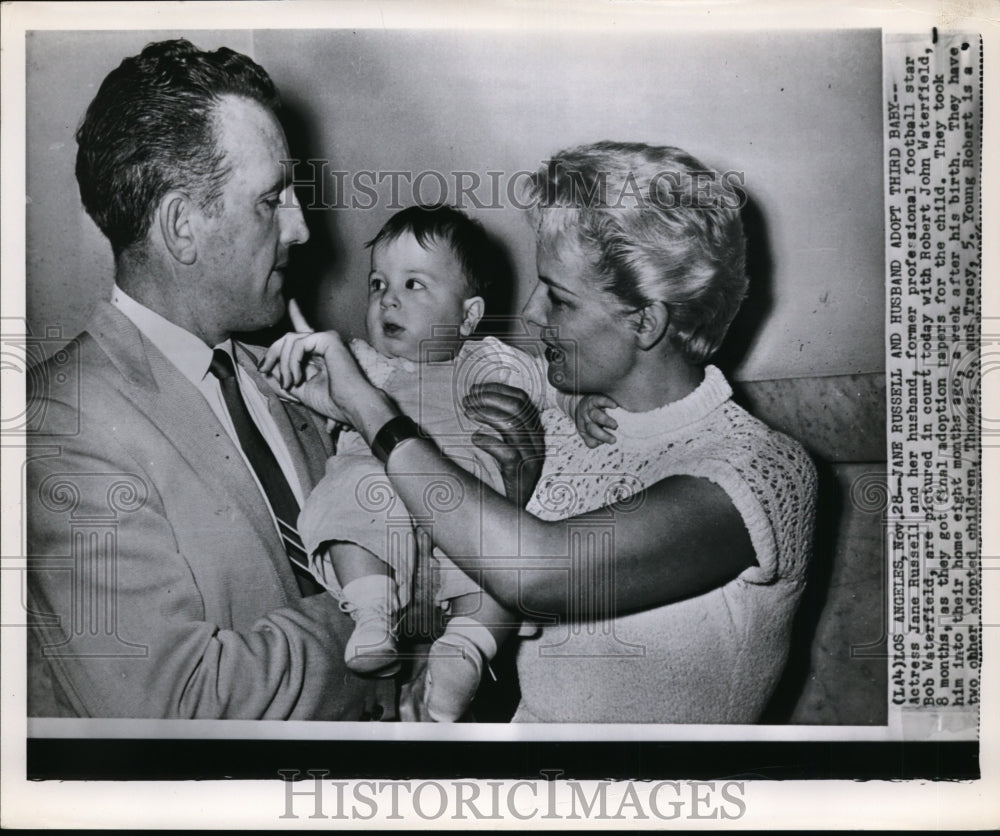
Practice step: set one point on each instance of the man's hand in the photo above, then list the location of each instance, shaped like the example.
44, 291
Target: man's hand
520, 448
593, 422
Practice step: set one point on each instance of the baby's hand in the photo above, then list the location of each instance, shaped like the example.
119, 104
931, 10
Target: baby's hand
593, 422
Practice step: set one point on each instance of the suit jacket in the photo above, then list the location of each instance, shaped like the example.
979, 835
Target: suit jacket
157, 583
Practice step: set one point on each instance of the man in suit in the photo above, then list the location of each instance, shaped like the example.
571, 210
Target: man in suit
162, 578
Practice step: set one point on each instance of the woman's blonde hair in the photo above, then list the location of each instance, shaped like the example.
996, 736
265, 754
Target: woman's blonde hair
659, 225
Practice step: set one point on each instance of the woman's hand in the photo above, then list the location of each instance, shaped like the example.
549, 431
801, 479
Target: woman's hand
520, 449
593, 422
316, 369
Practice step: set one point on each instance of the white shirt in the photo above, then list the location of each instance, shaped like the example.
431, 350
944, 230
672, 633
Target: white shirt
192, 357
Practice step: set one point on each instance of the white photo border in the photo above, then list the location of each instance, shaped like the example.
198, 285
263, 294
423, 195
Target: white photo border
840, 803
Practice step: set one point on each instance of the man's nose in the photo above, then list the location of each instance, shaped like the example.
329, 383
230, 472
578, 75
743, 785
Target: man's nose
293, 224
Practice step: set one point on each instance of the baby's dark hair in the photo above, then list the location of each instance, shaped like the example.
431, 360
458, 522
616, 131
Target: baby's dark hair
475, 252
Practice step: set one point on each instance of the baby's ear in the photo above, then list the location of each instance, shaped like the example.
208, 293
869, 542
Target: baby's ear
473, 309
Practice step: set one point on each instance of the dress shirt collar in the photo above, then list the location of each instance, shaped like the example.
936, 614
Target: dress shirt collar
182, 348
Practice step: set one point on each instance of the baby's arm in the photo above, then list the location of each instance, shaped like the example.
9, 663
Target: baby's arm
589, 412
592, 419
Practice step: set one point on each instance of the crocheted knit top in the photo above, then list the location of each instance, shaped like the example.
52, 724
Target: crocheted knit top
711, 658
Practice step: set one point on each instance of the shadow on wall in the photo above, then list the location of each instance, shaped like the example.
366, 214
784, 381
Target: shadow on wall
321, 259
755, 309
314, 264
500, 320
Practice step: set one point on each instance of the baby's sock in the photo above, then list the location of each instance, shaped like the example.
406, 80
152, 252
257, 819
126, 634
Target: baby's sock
372, 591
481, 638
372, 601
455, 668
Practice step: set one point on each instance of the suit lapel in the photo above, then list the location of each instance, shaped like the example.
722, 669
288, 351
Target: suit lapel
172, 403
296, 423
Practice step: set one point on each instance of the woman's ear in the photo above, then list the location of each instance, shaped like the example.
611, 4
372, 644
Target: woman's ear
473, 309
173, 218
651, 324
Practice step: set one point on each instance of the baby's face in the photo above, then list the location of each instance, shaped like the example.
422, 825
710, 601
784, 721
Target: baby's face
417, 294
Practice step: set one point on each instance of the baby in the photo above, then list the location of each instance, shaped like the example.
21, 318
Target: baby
430, 270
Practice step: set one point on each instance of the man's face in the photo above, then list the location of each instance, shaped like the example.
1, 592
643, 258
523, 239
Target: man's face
243, 244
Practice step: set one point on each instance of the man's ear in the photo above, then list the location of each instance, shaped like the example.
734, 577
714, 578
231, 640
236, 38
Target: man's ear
473, 309
651, 324
173, 219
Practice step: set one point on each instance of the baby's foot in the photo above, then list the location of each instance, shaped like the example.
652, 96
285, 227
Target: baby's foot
372, 646
454, 670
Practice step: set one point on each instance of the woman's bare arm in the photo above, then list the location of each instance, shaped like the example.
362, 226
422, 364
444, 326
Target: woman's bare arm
681, 537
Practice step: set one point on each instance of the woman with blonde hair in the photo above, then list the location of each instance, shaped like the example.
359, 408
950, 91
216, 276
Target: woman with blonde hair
665, 566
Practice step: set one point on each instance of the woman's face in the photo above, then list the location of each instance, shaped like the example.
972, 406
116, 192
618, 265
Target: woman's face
589, 343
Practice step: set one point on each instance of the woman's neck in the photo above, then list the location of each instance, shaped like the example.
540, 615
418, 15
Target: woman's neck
658, 381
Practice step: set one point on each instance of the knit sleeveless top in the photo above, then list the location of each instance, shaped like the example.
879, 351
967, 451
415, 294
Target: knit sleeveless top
712, 658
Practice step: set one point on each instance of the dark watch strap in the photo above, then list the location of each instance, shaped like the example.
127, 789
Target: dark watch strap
393, 431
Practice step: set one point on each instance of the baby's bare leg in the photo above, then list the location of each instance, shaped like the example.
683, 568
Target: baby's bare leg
351, 562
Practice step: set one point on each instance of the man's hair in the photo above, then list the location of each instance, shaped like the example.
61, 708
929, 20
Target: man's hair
152, 128
659, 226
476, 253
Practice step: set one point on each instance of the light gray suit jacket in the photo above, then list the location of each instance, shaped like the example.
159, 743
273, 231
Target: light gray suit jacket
158, 586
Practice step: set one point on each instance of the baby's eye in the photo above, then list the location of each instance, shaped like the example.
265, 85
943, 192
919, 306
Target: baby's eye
414, 284
375, 285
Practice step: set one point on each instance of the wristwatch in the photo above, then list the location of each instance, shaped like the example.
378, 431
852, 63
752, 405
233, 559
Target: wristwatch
392, 433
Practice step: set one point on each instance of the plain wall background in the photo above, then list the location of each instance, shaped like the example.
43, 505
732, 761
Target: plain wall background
798, 113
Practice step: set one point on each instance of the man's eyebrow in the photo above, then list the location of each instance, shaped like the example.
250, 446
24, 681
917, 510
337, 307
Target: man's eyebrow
277, 186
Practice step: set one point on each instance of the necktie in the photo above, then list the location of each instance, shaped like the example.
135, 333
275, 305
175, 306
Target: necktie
265, 465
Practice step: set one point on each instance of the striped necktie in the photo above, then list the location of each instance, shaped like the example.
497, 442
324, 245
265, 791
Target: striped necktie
265, 465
